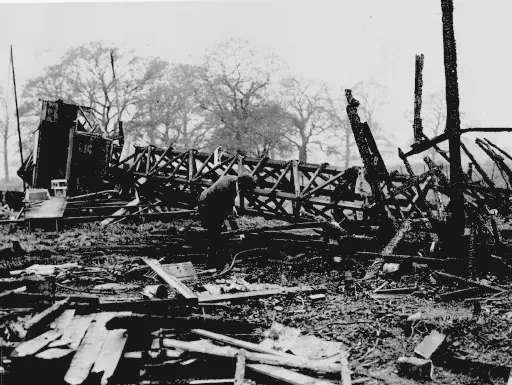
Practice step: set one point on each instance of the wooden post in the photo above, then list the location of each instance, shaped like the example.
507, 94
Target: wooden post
148, 158
418, 85
296, 184
17, 115
241, 195
453, 125
69, 161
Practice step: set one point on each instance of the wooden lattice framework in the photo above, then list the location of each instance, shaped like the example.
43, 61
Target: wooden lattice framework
285, 188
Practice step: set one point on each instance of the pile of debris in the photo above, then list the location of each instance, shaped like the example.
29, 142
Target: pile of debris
142, 321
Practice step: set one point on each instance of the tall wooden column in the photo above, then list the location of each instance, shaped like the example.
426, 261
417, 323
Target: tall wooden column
453, 123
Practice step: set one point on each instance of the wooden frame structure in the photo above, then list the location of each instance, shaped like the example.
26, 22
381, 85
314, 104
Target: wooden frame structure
286, 189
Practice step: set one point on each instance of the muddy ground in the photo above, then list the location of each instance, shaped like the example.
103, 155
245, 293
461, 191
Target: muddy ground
374, 331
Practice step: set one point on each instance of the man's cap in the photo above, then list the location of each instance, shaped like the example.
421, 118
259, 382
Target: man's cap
247, 181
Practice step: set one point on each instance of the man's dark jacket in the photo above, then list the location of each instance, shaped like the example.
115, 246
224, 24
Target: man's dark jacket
217, 201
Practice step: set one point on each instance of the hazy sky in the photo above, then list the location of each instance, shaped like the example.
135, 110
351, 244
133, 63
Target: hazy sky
340, 41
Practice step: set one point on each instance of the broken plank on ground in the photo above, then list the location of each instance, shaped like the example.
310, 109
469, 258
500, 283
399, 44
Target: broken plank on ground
286, 375
258, 293
74, 332
34, 345
45, 314
54, 353
206, 347
110, 354
30, 347
87, 353
63, 321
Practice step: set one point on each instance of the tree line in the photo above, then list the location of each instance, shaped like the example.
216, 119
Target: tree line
239, 97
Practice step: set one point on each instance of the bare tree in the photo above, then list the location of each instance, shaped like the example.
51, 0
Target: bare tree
84, 76
435, 116
341, 130
235, 89
169, 113
372, 97
306, 102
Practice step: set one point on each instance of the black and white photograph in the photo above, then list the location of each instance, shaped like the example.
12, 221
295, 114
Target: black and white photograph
256, 192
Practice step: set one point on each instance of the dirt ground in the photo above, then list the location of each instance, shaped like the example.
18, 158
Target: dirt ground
375, 332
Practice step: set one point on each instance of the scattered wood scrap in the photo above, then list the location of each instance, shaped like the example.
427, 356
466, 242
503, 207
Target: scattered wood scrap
172, 281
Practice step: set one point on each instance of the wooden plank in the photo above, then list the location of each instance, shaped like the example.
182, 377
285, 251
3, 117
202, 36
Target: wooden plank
172, 281
34, 345
110, 354
74, 333
205, 347
51, 208
64, 320
120, 212
286, 375
253, 294
54, 353
86, 355
46, 314
30, 347
13, 291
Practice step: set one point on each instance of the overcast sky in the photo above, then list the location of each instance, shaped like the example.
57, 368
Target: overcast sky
340, 41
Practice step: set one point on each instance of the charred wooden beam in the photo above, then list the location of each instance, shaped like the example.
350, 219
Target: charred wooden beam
479, 168
418, 85
372, 159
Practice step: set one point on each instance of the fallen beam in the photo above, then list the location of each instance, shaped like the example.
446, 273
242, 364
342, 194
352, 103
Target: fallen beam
205, 347
258, 293
286, 375
401, 257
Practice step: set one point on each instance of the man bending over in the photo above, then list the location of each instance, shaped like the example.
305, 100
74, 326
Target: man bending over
215, 204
